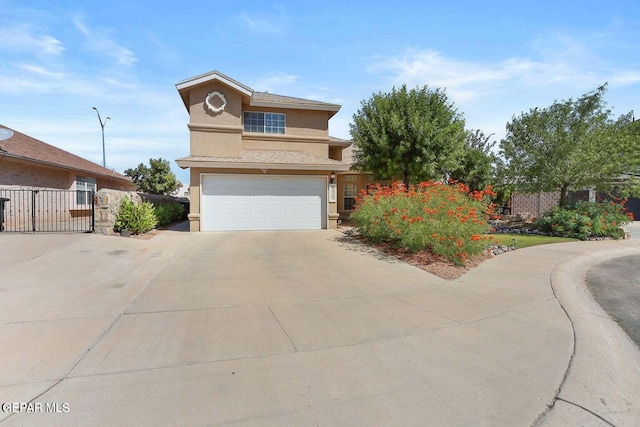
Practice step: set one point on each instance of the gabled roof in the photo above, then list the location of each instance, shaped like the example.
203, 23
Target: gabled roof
255, 99
24, 147
209, 77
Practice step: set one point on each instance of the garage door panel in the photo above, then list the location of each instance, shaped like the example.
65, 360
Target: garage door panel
243, 202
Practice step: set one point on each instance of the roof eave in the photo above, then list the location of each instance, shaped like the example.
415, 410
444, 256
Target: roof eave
331, 108
186, 163
339, 143
57, 165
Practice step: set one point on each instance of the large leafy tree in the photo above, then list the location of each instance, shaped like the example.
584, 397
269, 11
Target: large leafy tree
478, 166
413, 135
571, 144
157, 178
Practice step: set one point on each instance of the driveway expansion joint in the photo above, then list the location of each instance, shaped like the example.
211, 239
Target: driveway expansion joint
282, 328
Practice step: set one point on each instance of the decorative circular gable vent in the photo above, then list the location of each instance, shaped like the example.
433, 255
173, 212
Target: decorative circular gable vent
209, 102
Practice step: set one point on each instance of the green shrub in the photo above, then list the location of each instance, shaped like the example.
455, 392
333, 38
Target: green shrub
137, 218
446, 219
584, 220
166, 213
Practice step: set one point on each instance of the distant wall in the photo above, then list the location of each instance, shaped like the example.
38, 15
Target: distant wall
534, 203
537, 203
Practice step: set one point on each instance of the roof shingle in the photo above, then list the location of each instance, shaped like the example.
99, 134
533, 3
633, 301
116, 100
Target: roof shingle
27, 148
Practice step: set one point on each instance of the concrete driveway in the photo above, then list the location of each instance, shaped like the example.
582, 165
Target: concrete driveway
264, 328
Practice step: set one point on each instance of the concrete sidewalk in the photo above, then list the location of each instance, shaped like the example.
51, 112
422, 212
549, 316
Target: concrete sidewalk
305, 328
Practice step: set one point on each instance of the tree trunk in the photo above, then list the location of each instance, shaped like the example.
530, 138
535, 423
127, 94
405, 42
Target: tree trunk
564, 196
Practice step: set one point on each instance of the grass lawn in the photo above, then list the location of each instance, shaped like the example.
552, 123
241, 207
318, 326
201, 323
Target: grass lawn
526, 240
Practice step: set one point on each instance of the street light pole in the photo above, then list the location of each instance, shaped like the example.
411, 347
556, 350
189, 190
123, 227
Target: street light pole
104, 160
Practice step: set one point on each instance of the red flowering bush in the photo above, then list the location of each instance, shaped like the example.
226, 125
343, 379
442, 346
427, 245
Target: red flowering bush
444, 218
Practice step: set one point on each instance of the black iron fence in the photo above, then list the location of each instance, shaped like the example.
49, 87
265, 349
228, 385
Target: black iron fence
44, 210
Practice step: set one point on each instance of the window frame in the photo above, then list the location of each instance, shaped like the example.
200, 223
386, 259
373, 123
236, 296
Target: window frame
348, 189
84, 185
262, 119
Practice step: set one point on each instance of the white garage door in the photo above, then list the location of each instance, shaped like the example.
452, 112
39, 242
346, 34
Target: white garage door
250, 202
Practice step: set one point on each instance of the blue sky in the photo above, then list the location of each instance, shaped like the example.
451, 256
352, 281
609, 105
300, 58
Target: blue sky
58, 59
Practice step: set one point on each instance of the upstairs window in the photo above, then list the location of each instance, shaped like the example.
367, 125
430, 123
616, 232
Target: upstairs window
264, 122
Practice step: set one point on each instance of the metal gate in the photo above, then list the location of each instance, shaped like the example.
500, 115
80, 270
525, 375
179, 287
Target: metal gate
44, 210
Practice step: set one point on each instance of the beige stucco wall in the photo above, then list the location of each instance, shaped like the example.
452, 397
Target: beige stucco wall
303, 123
200, 114
221, 134
335, 153
313, 147
216, 142
215, 134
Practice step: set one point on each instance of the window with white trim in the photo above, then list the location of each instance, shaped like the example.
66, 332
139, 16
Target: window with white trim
349, 196
350, 178
84, 187
264, 122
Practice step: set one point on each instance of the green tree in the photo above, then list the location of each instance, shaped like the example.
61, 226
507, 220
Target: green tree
570, 145
157, 178
478, 166
415, 135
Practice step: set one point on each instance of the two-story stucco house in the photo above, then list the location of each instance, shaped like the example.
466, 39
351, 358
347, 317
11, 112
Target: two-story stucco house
259, 161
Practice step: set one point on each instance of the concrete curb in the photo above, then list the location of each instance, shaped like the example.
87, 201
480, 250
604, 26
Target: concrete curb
602, 382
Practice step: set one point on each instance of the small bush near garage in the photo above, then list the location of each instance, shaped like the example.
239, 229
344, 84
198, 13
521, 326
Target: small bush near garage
136, 218
444, 218
585, 220
166, 213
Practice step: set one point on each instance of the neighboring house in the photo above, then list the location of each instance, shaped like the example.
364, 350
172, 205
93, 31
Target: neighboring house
259, 161
44, 188
181, 192
26, 162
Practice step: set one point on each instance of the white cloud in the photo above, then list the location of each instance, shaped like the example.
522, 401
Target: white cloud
625, 78
261, 25
275, 82
41, 71
489, 93
100, 41
31, 78
571, 65
22, 38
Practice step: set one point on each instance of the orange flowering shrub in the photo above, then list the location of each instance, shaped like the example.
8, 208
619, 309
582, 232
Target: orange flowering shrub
445, 218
